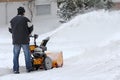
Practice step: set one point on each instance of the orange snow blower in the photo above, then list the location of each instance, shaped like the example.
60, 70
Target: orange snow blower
41, 58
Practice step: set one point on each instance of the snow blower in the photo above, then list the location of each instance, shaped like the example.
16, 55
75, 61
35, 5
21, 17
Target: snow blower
41, 58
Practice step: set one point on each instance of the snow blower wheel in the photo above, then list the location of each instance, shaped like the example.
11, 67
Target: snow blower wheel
47, 63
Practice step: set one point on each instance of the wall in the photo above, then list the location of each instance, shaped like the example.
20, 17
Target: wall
47, 22
9, 10
42, 23
12, 0
53, 8
115, 0
117, 6
2, 13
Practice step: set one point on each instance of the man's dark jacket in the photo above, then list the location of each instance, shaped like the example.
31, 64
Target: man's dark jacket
20, 30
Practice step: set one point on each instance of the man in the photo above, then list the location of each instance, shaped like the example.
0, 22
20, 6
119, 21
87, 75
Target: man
21, 30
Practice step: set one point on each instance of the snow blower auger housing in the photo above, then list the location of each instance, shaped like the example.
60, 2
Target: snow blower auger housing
41, 58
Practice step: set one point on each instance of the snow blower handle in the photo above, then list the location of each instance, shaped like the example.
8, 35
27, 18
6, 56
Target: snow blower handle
35, 36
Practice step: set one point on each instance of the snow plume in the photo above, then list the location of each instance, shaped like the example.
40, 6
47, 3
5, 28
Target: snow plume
85, 31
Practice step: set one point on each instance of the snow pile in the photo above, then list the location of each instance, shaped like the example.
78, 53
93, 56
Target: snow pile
91, 47
86, 31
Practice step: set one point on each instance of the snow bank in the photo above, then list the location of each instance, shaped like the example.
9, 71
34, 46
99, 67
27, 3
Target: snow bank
85, 31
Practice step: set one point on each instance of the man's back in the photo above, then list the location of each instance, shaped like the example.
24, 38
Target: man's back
20, 31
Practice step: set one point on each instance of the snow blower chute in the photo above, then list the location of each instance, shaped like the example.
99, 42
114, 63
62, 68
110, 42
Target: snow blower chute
41, 58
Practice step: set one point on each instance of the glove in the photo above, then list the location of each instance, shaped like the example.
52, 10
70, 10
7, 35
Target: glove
10, 30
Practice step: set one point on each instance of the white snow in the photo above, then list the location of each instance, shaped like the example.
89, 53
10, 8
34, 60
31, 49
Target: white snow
90, 44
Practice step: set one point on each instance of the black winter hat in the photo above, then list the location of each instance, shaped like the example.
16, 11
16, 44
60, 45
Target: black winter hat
21, 10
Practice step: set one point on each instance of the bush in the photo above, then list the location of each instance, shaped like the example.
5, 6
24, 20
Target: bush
69, 8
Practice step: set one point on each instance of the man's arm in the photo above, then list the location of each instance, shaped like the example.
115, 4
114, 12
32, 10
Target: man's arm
10, 29
30, 27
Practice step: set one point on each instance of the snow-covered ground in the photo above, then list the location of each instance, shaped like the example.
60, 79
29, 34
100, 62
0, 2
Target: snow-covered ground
90, 44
